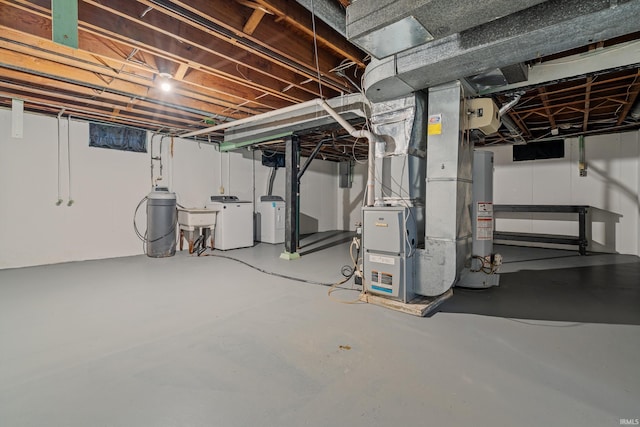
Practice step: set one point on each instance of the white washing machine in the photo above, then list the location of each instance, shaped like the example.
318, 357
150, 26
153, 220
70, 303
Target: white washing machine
272, 215
234, 222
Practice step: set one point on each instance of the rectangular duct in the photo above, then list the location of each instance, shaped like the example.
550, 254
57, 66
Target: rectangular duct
546, 28
447, 243
386, 27
280, 123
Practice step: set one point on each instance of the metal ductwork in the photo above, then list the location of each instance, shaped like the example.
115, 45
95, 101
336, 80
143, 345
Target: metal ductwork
287, 121
329, 11
474, 43
447, 244
400, 164
509, 105
386, 27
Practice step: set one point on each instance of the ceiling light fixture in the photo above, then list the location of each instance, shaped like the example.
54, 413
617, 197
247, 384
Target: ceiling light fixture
165, 82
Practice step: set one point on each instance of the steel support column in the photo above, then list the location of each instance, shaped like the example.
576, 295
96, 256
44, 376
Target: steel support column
292, 192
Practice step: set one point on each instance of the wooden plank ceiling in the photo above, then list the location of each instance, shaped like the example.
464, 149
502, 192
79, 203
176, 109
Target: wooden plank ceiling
226, 60
596, 103
231, 59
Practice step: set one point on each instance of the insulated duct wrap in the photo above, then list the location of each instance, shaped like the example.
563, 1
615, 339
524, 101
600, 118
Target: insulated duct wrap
400, 165
402, 126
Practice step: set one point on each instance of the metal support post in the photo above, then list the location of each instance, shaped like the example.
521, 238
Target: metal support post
582, 234
292, 193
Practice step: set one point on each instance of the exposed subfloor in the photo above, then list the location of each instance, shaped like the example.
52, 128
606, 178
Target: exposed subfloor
207, 341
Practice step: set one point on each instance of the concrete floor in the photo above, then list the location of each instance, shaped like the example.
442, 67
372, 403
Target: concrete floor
206, 341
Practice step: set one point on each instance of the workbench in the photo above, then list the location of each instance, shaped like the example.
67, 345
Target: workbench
581, 240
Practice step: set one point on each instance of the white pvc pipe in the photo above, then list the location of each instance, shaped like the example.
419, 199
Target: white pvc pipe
70, 201
370, 136
59, 201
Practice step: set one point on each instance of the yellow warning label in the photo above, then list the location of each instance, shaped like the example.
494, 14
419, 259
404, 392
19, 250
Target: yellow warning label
434, 127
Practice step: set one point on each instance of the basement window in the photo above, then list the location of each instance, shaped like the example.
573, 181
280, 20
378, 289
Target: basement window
117, 138
538, 151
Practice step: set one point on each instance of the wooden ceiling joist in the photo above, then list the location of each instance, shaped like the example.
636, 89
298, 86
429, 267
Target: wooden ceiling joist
632, 96
300, 18
114, 47
253, 21
297, 52
545, 103
587, 104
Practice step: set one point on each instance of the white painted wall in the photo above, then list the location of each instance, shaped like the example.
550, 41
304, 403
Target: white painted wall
350, 200
611, 185
318, 192
108, 184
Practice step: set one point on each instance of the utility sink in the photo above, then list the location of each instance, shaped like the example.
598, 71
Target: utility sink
197, 217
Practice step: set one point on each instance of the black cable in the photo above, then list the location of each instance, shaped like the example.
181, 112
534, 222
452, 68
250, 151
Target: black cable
283, 276
144, 237
347, 271
135, 226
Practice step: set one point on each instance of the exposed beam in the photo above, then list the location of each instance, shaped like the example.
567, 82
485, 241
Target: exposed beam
523, 128
65, 22
587, 104
295, 55
94, 41
105, 114
578, 102
182, 71
253, 21
68, 74
597, 86
78, 101
300, 18
550, 27
175, 33
15, 60
125, 39
132, 110
632, 97
39, 48
620, 55
545, 102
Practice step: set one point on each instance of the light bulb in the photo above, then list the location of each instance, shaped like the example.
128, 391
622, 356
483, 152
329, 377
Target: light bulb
165, 82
